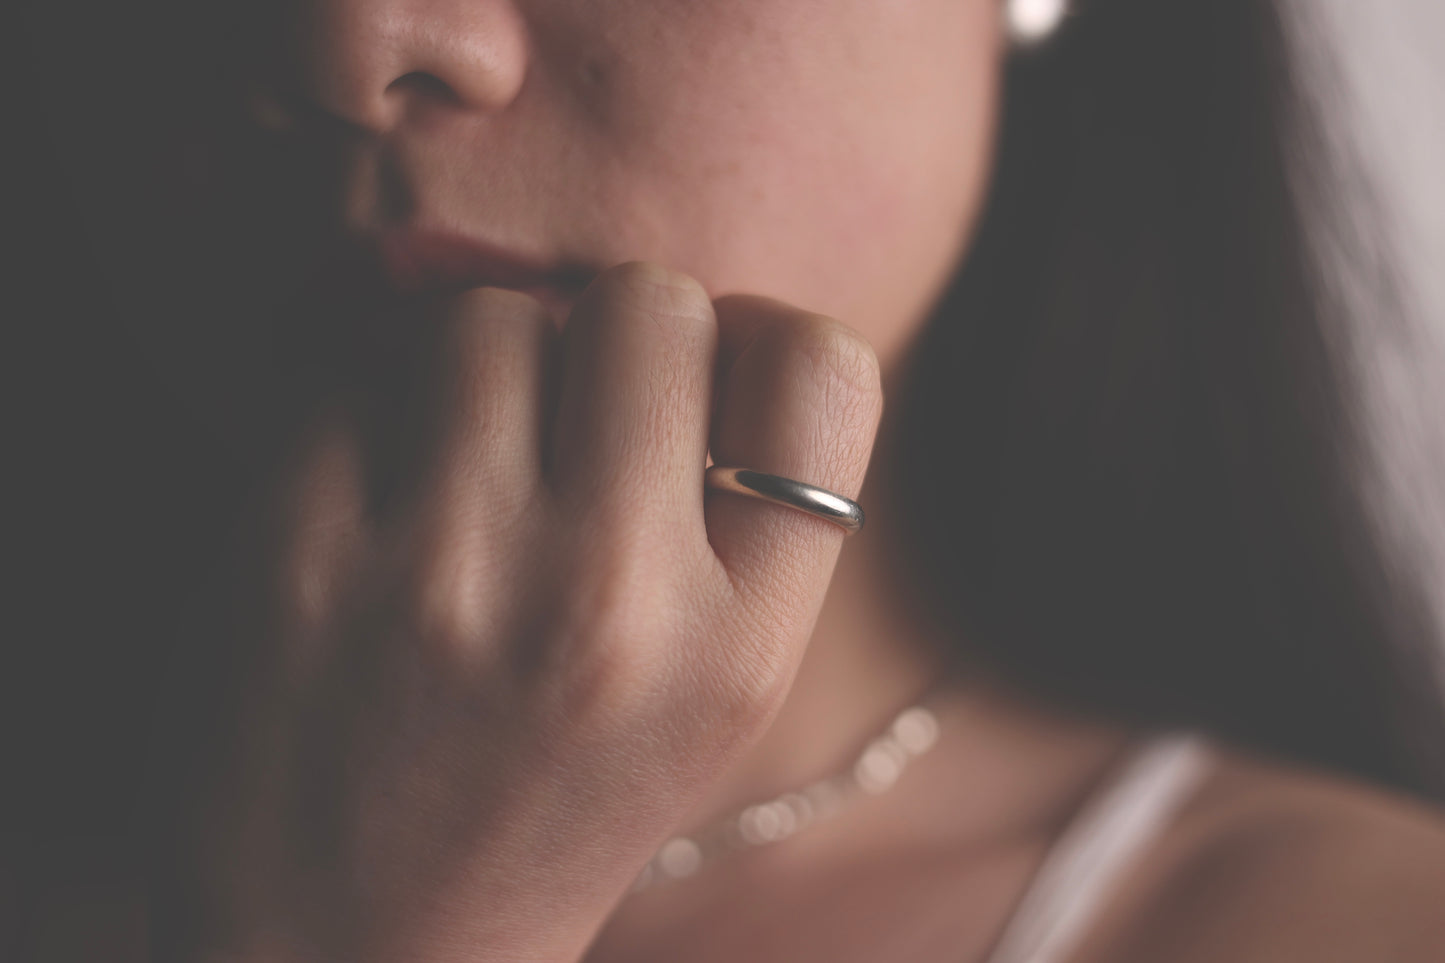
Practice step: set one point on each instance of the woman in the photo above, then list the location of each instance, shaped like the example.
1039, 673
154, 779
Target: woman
496, 669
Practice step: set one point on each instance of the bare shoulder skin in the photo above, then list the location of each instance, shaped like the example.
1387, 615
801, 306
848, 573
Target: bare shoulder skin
1275, 863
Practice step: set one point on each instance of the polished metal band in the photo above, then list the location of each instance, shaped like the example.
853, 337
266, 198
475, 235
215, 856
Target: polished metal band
843, 512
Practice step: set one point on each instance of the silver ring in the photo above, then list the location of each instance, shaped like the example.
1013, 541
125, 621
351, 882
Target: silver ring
829, 506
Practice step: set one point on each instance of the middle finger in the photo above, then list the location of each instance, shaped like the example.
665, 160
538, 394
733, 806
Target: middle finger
636, 397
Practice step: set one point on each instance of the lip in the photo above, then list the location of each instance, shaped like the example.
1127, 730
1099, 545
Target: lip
435, 263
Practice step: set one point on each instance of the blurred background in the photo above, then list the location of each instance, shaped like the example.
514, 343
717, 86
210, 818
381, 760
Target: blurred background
1385, 105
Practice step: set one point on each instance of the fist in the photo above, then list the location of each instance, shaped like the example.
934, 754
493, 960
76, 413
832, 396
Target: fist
477, 704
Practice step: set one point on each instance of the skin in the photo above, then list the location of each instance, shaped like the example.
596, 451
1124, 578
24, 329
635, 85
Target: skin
624, 144
552, 651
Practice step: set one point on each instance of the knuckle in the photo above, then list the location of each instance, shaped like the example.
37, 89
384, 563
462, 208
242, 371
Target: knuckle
448, 612
647, 279
837, 370
841, 358
614, 600
496, 304
669, 297
637, 604
617, 624
308, 577
847, 372
301, 595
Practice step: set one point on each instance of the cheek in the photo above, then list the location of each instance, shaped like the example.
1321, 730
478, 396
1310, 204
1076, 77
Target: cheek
840, 169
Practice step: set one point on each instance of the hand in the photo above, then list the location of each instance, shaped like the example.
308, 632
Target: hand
478, 706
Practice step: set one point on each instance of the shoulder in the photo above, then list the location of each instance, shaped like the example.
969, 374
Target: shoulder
1272, 862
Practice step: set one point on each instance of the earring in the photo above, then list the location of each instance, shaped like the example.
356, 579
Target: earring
1031, 22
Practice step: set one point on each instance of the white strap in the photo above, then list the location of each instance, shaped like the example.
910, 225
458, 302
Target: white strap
1089, 860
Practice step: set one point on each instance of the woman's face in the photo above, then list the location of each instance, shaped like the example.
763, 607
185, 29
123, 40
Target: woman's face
829, 153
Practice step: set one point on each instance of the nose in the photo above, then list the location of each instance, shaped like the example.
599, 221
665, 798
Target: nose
372, 62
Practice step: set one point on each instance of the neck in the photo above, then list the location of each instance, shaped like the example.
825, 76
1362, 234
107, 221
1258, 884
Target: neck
1003, 778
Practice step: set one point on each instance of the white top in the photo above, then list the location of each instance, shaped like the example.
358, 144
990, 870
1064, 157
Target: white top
1089, 861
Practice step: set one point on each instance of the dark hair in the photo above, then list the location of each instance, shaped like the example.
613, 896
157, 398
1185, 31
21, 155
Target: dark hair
1135, 419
